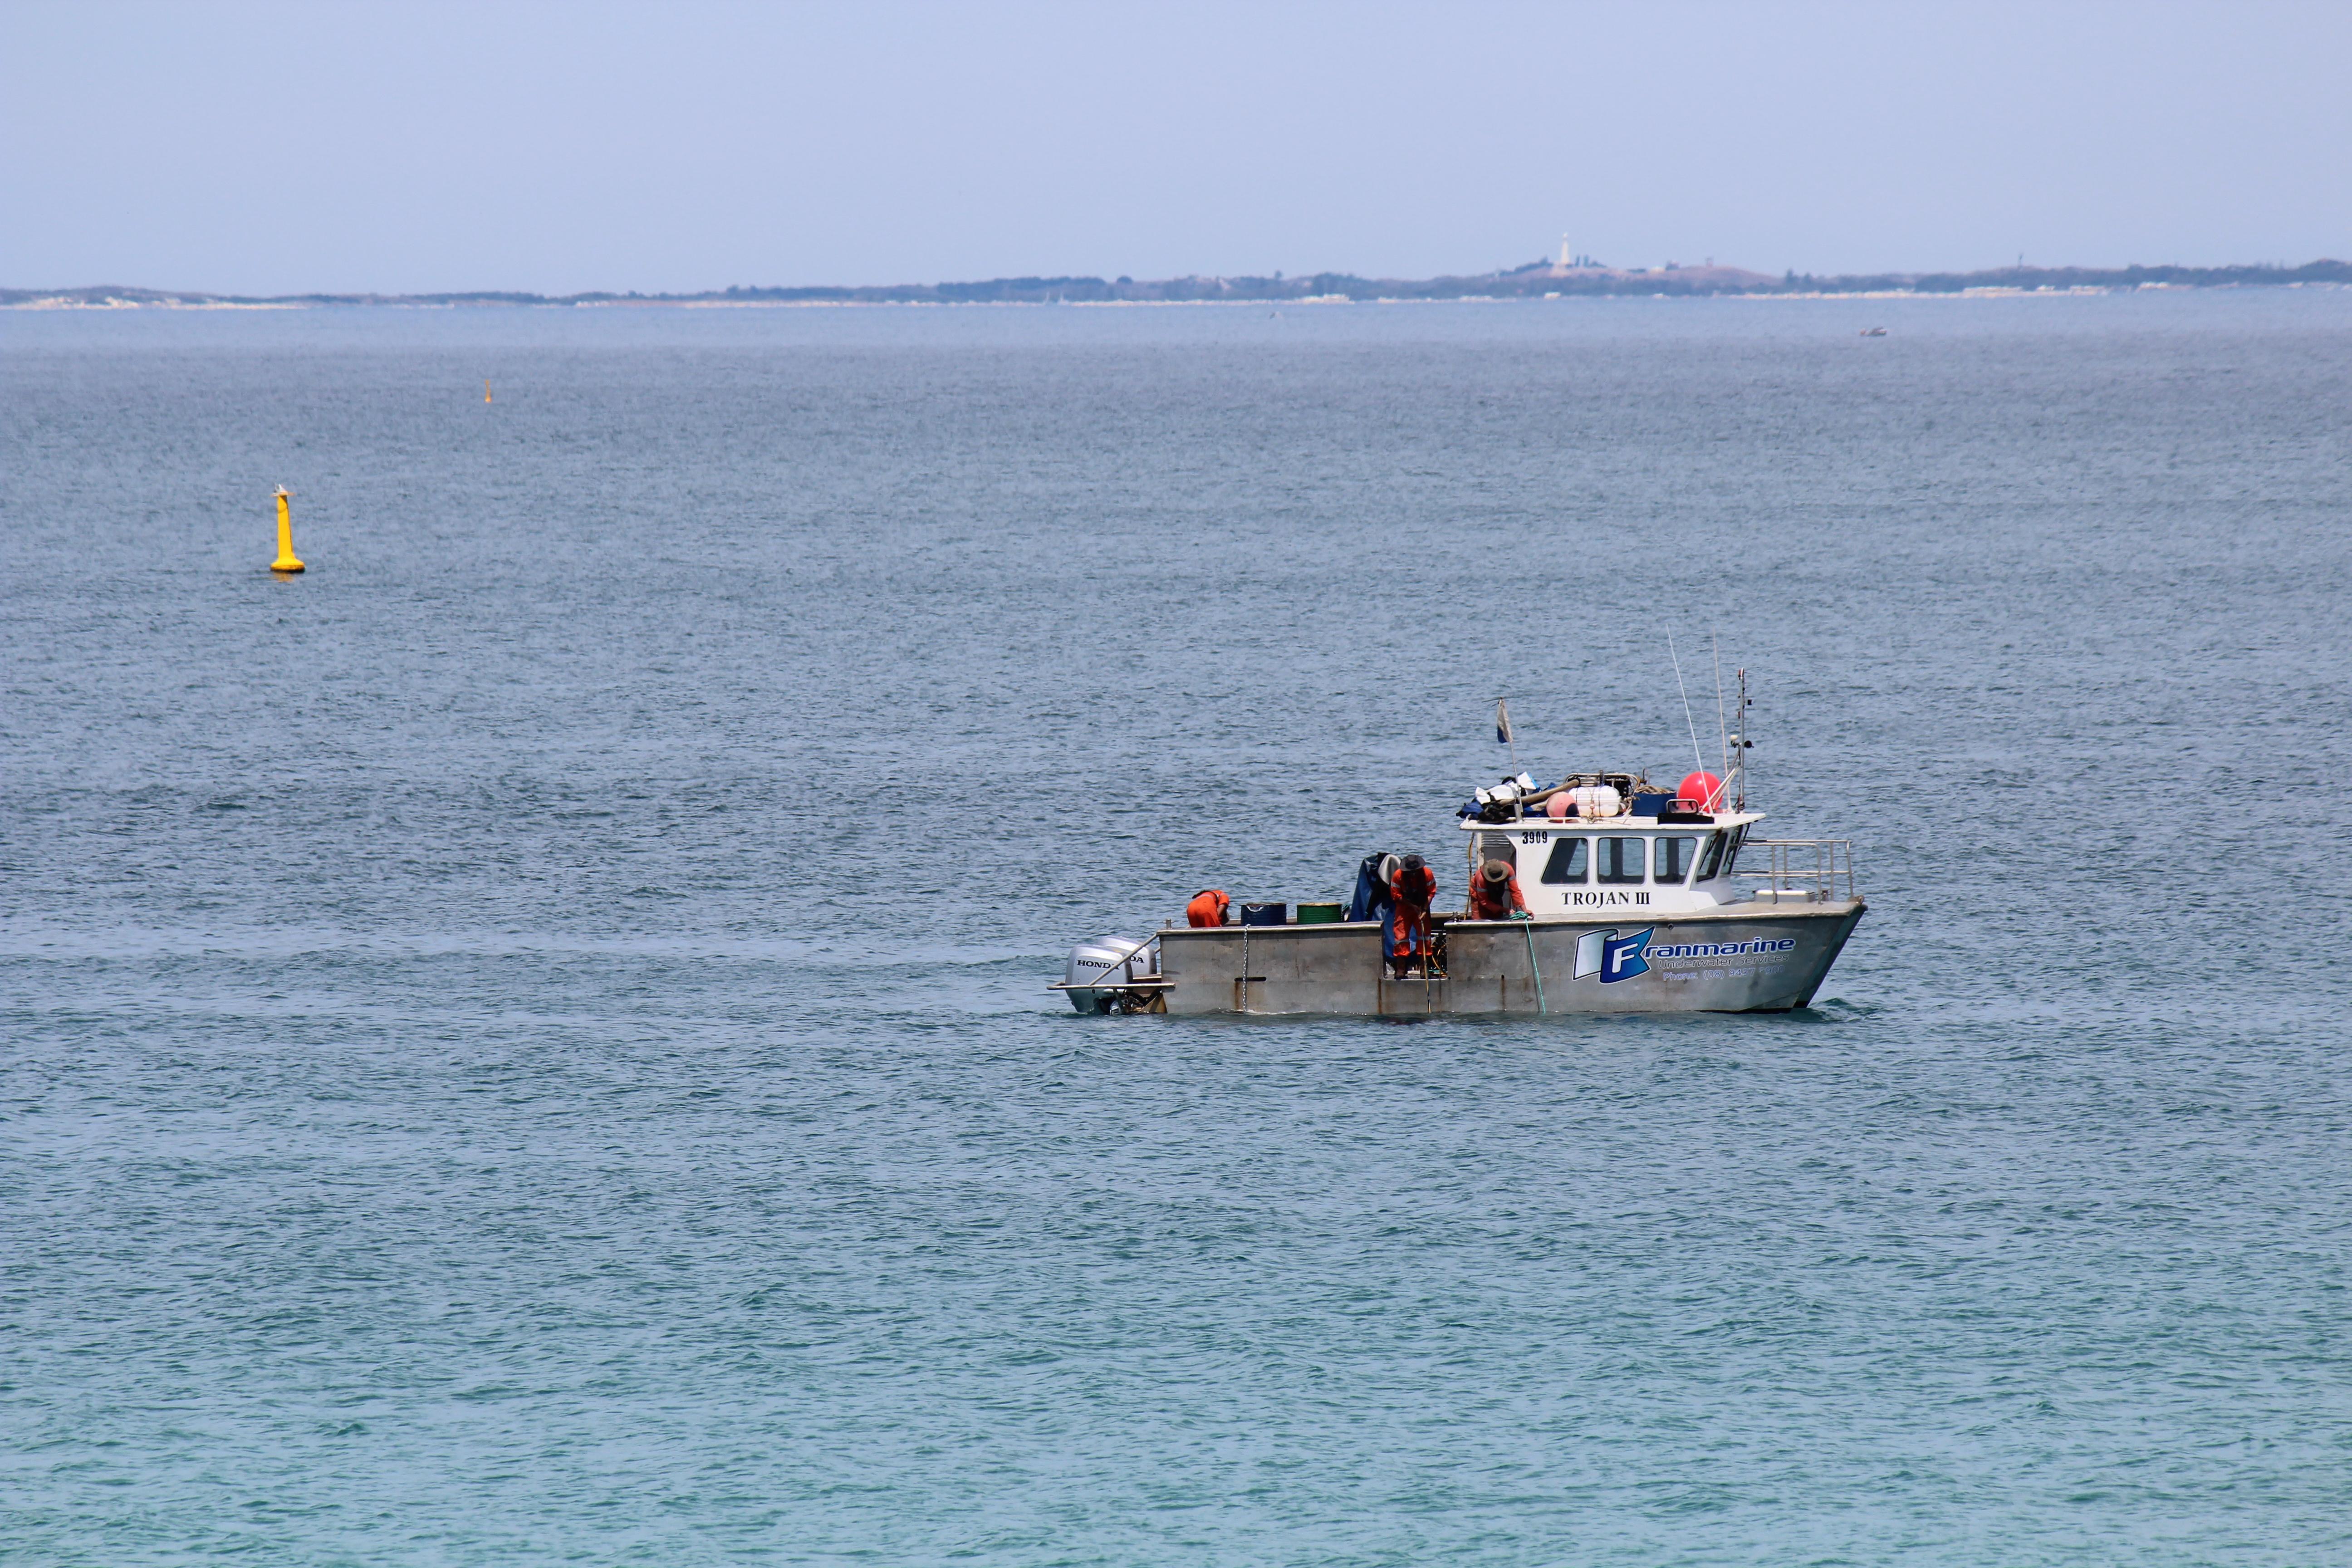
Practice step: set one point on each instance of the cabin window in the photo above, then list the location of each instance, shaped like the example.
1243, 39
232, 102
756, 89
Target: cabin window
1499, 847
1712, 861
1566, 863
1675, 858
1731, 850
1621, 859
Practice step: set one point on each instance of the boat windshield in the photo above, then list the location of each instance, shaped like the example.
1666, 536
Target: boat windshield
1737, 837
1712, 861
1673, 859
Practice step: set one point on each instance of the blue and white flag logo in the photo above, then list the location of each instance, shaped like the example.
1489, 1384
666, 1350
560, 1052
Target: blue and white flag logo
1610, 956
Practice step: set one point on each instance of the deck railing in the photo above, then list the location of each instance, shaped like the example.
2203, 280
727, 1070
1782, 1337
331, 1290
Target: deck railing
1820, 869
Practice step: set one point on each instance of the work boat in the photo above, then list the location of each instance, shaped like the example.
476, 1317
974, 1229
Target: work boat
1638, 901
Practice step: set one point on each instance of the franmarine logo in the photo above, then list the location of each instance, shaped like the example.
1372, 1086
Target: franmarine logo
1613, 958
1610, 956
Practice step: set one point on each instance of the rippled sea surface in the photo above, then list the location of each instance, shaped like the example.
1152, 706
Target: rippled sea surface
527, 1043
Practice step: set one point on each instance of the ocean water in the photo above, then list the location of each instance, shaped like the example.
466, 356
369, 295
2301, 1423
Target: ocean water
527, 1043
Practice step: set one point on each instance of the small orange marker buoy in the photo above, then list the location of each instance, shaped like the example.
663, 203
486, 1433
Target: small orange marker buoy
486, 391
287, 561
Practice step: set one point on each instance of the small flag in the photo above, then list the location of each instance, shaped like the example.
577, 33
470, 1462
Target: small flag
1502, 736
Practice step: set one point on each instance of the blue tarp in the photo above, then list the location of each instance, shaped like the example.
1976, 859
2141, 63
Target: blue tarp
1371, 902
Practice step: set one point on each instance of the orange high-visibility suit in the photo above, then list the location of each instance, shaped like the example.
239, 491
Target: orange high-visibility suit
1411, 888
1489, 901
1207, 908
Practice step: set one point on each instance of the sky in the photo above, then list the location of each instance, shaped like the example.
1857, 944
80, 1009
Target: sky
355, 146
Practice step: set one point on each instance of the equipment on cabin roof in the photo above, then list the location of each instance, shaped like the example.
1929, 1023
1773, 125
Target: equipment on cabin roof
1586, 796
1696, 798
1700, 791
1593, 802
1266, 914
1500, 803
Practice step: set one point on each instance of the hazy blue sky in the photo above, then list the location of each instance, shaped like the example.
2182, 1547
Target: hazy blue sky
263, 148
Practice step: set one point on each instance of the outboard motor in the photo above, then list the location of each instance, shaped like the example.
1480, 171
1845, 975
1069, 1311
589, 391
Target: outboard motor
1111, 960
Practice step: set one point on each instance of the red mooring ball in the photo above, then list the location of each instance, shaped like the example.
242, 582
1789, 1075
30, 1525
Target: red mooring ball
1703, 787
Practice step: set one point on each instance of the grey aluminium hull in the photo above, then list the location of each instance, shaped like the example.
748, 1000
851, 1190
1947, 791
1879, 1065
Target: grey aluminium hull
1769, 959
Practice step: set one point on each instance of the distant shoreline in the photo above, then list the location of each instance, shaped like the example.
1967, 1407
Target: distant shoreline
1536, 280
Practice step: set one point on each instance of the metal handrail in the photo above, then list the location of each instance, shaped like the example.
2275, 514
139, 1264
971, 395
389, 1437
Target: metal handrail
1813, 866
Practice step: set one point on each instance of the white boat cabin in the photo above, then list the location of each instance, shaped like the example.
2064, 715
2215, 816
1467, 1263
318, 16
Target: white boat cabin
1581, 865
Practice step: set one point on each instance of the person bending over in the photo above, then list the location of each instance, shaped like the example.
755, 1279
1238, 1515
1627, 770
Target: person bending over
1495, 893
1411, 889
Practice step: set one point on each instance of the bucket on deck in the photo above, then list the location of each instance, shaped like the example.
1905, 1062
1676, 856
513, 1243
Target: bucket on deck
1266, 914
1321, 914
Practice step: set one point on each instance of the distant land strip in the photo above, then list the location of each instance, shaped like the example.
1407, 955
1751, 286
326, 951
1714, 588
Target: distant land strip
1537, 279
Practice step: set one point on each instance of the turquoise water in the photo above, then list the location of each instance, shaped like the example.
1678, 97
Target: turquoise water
527, 1044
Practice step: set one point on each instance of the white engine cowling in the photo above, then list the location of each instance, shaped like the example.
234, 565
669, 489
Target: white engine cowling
1112, 960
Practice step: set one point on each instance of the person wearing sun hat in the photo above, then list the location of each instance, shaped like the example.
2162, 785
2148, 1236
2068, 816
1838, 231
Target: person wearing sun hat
1495, 893
1411, 887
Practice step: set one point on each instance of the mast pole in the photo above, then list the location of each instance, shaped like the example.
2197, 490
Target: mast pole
1722, 733
1745, 744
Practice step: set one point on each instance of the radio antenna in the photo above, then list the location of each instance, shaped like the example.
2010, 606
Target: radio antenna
1745, 744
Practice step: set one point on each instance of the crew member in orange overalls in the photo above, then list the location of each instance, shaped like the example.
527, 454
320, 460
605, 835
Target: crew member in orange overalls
1207, 908
1411, 886
1495, 893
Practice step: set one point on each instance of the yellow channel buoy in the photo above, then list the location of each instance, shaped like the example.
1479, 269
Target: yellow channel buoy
286, 561
486, 391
